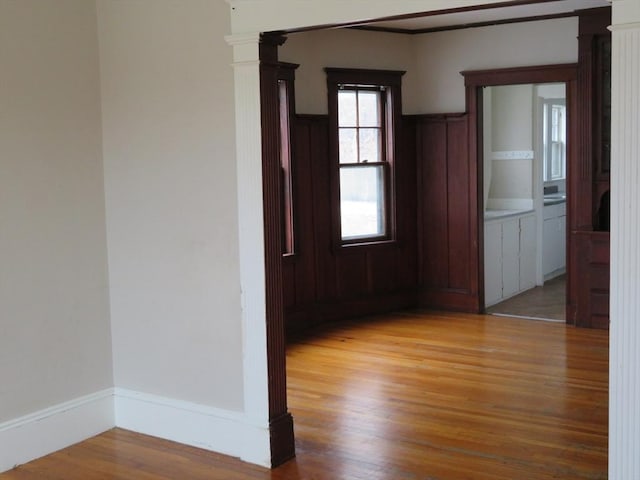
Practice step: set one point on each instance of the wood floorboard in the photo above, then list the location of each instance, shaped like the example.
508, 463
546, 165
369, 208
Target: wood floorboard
412, 395
546, 302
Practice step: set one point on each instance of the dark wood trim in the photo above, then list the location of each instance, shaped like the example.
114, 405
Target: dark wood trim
280, 420
286, 79
392, 80
590, 181
431, 13
463, 26
520, 75
474, 81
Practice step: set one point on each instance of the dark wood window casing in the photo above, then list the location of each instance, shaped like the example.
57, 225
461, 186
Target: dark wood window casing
286, 111
388, 85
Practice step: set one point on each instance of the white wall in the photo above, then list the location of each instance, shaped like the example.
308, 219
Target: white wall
252, 16
512, 131
512, 117
433, 61
345, 48
55, 341
442, 56
170, 179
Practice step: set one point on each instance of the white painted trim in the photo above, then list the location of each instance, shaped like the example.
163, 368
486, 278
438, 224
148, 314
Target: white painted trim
624, 307
513, 155
201, 426
251, 242
624, 26
46, 431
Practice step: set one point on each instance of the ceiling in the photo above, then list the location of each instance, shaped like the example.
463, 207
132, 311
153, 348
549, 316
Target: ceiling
486, 16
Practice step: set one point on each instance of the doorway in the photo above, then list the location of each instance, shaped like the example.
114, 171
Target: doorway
517, 237
524, 181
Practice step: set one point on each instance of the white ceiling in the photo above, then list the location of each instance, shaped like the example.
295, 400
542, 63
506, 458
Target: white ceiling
490, 15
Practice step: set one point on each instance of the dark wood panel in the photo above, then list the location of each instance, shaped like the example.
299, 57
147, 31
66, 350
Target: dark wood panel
306, 135
351, 274
382, 271
588, 257
447, 214
433, 202
289, 279
459, 192
330, 282
592, 306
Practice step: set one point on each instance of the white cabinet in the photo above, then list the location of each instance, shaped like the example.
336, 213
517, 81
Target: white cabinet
554, 239
509, 257
528, 251
492, 262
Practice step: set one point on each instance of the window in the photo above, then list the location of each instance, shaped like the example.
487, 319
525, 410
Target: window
362, 166
554, 140
286, 76
364, 106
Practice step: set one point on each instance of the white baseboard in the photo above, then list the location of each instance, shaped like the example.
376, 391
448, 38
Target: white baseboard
214, 429
44, 432
41, 433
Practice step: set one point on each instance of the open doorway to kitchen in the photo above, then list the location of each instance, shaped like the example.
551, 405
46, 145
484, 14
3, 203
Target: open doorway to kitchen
524, 144
525, 190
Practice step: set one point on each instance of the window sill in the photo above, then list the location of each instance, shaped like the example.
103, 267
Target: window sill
365, 245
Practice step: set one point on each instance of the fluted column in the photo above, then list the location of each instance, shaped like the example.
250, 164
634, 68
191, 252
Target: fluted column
251, 238
624, 407
259, 175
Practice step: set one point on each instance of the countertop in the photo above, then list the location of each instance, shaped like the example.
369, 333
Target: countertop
496, 214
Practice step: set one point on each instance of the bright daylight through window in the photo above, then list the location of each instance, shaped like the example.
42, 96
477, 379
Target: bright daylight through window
362, 162
554, 126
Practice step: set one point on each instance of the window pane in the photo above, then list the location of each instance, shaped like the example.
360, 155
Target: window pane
347, 110
362, 202
348, 145
369, 145
369, 109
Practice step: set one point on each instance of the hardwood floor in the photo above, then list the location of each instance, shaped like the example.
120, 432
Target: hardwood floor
406, 396
548, 302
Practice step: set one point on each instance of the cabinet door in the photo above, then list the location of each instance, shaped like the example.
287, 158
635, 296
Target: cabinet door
548, 245
510, 257
554, 244
492, 263
527, 253
562, 242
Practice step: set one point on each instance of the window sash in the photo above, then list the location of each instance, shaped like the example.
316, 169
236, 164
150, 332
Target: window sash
554, 141
364, 201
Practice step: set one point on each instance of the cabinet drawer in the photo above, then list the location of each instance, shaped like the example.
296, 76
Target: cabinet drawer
552, 211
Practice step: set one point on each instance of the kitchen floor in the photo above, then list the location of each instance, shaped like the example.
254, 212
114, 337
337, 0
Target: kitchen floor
542, 303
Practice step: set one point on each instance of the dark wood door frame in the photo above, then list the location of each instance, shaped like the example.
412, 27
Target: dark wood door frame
474, 82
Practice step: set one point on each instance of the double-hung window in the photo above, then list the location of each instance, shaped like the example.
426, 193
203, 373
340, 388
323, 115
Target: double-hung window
554, 139
364, 109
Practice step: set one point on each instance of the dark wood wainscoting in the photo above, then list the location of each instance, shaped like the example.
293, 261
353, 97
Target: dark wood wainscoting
323, 282
447, 213
592, 309
588, 266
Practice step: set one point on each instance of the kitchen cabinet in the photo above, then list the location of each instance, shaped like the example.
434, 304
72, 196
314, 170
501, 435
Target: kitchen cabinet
509, 256
554, 240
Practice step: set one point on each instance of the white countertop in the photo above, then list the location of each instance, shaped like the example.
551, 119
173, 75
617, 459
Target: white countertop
496, 214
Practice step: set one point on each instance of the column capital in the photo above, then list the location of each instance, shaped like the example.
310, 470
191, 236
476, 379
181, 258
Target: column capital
625, 12
246, 47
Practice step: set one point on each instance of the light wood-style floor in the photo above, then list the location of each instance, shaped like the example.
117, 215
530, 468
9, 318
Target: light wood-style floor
406, 396
548, 302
